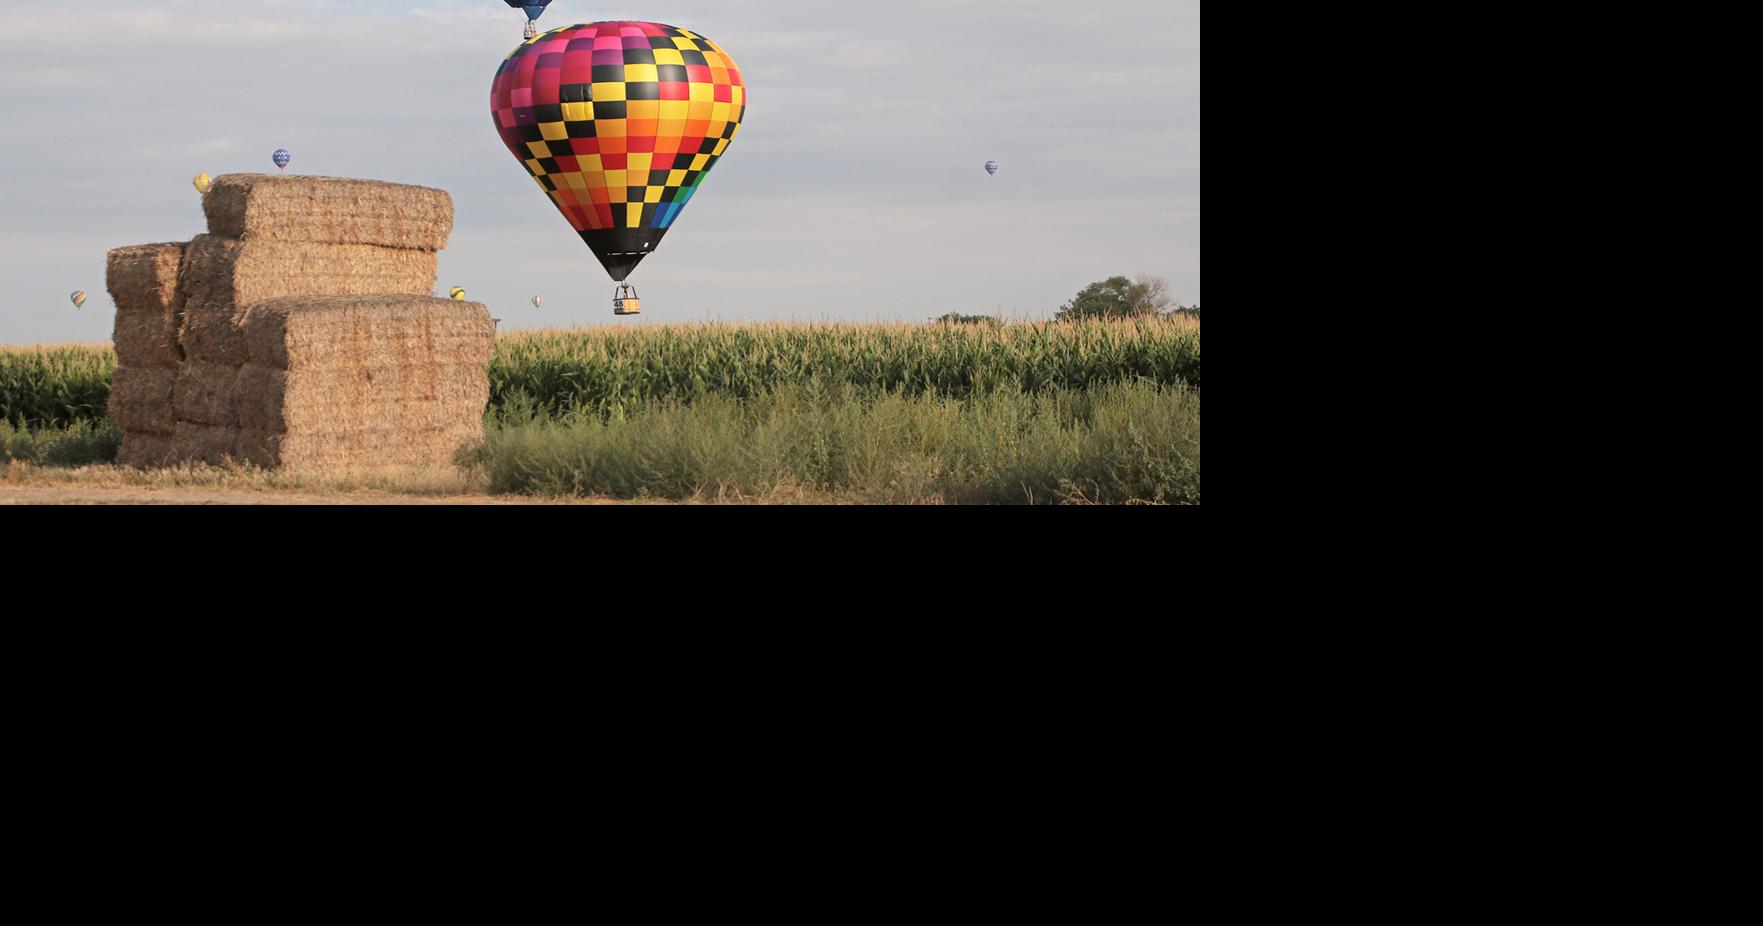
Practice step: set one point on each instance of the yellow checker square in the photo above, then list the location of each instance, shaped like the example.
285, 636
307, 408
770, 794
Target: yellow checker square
673, 109
653, 194
700, 110
672, 128
690, 34
539, 149
615, 179
637, 73
699, 161
639, 163
738, 95
578, 112
668, 56
700, 93
554, 131
537, 169
589, 163
721, 112
685, 44
633, 215
721, 146
609, 92
716, 129
676, 177
611, 128
575, 181
643, 109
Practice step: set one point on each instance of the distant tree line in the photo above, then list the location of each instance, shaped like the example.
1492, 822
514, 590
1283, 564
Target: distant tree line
1119, 297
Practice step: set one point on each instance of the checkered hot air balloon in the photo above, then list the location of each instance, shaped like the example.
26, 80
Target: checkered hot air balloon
79, 298
282, 158
992, 167
457, 294
619, 123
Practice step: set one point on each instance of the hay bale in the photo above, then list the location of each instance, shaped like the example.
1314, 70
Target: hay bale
141, 399
222, 276
144, 282
206, 393
307, 333
143, 450
202, 443
144, 278
354, 450
328, 210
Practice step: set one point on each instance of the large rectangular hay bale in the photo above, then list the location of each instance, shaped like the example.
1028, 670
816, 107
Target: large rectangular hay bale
222, 276
354, 450
311, 332
328, 210
144, 278
147, 339
141, 399
143, 450
202, 443
207, 393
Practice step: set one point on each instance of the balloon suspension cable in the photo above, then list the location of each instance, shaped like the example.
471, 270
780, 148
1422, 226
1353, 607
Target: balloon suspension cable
532, 30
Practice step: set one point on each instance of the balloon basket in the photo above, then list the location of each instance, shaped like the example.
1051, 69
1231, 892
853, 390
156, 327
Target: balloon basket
625, 301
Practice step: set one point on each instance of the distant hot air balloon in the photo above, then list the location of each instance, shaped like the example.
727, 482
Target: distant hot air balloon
538, 301
79, 298
619, 123
457, 294
533, 12
282, 158
992, 167
202, 182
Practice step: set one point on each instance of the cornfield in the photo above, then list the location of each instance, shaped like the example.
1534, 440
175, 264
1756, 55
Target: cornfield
54, 386
617, 371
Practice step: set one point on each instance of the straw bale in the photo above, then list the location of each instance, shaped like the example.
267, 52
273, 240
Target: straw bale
357, 449
228, 272
416, 397
328, 210
201, 443
319, 332
147, 339
206, 394
141, 449
141, 399
144, 278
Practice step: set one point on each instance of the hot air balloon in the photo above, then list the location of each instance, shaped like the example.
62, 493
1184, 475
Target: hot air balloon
457, 294
619, 122
992, 167
79, 298
202, 182
282, 158
538, 301
533, 12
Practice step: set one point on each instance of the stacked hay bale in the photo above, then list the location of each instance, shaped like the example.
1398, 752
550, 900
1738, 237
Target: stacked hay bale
143, 282
306, 334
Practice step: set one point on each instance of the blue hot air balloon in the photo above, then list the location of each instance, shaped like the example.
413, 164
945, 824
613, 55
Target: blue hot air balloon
992, 167
282, 158
533, 10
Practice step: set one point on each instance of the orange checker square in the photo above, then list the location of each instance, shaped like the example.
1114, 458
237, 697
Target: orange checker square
703, 110
643, 128
617, 194
613, 145
610, 128
697, 128
597, 193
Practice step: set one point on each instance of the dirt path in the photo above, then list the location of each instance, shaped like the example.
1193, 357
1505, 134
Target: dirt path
75, 495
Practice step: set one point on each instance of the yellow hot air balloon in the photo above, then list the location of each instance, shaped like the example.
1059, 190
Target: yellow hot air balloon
457, 294
202, 182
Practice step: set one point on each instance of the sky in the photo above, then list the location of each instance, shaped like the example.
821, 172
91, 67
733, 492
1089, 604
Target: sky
856, 189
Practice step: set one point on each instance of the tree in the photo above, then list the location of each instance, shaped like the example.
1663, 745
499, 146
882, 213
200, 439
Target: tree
956, 318
1119, 297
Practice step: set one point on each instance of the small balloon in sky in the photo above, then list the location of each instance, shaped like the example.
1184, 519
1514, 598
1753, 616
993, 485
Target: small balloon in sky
79, 298
457, 294
281, 158
992, 167
538, 301
202, 182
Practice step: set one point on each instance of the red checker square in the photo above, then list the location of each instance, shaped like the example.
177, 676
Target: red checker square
641, 143
604, 211
676, 90
597, 190
604, 40
568, 164
698, 73
664, 161
577, 75
725, 93
614, 161
545, 93
585, 145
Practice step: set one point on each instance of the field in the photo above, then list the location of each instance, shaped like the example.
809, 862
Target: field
1034, 413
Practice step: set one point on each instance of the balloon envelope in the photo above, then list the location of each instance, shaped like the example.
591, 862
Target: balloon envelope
281, 158
991, 167
533, 10
457, 294
79, 298
202, 183
619, 122
538, 301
